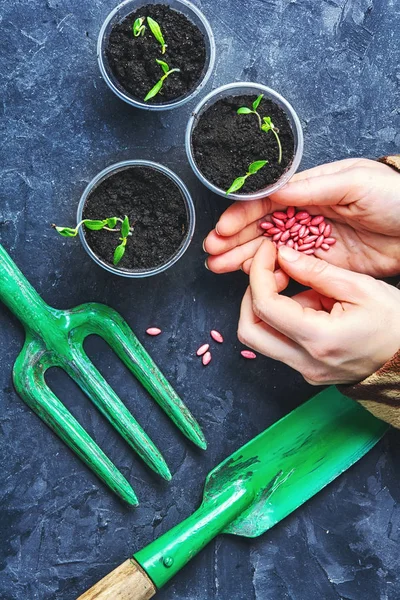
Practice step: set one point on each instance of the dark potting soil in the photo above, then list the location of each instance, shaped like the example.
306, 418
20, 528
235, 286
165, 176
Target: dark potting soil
153, 202
225, 143
133, 59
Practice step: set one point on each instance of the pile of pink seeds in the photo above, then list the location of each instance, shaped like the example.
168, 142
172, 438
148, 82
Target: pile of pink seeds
300, 230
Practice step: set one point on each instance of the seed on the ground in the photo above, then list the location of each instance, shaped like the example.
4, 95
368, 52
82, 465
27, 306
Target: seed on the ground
203, 349
206, 358
216, 336
153, 331
248, 354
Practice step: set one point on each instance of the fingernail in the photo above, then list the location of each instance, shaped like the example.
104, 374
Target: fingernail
216, 229
289, 254
204, 245
206, 265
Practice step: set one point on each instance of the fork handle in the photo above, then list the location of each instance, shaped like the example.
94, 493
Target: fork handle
126, 582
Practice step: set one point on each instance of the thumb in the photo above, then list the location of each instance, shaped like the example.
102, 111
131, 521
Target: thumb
324, 278
322, 190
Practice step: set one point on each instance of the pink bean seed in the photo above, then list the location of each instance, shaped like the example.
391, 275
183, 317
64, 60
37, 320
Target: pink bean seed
305, 221
216, 336
206, 358
328, 230
306, 247
295, 228
280, 215
295, 238
290, 212
314, 230
278, 222
277, 236
296, 246
248, 354
310, 238
330, 241
203, 349
300, 242
153, 331
267, 234
310, 251
280, 243
325, 246
317, 220
266, 225
303, 231
321, 227
285, 236
274, 230
319, 241
290, 243
302, 215
290, 222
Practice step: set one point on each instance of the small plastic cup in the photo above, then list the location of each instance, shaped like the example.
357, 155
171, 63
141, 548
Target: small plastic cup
252, 89
190, 212
129, 6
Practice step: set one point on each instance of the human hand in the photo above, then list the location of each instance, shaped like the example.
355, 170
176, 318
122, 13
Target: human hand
359, 197
342, 330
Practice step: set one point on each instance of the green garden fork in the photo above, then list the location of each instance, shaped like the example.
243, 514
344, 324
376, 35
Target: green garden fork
54, 338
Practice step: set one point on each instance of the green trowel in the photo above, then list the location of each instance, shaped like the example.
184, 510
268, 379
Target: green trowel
255, 488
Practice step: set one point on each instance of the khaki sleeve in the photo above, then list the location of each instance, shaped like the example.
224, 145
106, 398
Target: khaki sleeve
380, 392
391, 161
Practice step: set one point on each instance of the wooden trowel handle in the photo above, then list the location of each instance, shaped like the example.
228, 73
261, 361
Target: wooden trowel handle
126, 582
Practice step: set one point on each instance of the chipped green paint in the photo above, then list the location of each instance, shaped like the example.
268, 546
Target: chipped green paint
268, 478
54, 338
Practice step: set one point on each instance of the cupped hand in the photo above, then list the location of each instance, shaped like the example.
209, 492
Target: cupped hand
359, 197
340, 331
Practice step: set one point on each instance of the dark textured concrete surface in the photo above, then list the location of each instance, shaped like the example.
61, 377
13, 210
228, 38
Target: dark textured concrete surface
337, 61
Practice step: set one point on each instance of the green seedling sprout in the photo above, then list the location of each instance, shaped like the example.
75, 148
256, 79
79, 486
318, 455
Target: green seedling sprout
244, 110
107, 224
265, 125
269, 126
240, 181
167, 71
138, 27
156, 31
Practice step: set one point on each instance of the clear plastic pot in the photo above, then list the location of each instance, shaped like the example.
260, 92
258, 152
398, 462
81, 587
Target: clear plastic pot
129, 6
253, 89
190, 212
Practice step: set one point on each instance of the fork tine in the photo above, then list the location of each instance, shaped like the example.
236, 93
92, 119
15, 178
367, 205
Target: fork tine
107, 323
83, 371
29, 382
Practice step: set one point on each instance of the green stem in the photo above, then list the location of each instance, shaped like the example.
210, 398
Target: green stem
259, 118
279, 145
